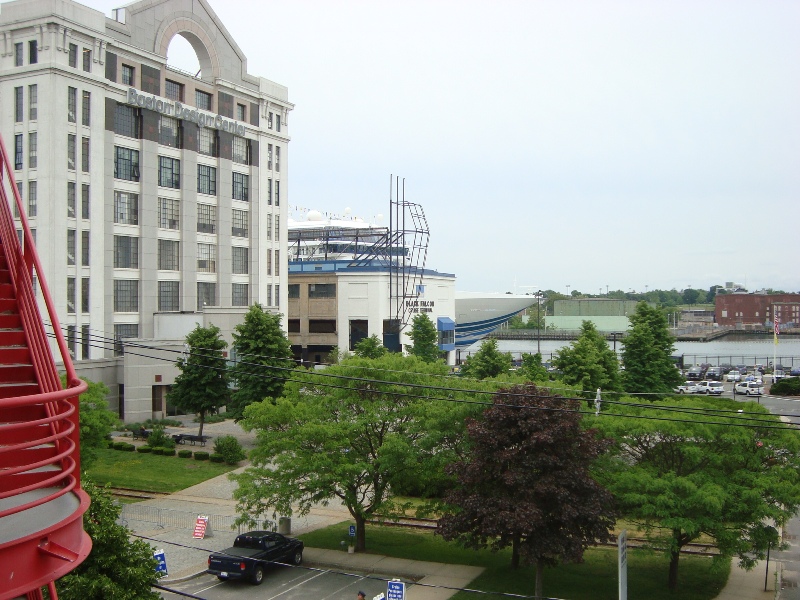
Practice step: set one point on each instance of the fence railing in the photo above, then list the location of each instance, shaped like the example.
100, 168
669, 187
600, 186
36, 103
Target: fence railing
173, 518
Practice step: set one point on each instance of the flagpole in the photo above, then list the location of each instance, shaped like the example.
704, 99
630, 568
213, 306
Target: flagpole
775, 336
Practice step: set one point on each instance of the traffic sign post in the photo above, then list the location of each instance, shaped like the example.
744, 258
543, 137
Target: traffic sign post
161, 563
352, 531
396, 590
622, 553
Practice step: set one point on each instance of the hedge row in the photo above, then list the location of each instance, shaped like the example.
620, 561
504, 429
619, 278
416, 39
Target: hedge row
126, 447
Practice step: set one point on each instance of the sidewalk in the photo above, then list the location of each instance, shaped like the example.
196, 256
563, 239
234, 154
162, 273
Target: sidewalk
749, 585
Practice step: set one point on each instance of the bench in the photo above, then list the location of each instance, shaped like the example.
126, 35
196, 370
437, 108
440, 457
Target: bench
141, 434
182, 438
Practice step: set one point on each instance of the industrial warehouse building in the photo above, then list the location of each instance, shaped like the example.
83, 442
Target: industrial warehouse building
158, 197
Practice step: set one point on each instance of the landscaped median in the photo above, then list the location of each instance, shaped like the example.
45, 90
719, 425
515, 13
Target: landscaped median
594, 579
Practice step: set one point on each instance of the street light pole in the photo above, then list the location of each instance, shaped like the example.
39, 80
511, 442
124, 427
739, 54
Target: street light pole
538, 323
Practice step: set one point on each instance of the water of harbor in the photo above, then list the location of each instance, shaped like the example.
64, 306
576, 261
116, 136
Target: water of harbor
732, 349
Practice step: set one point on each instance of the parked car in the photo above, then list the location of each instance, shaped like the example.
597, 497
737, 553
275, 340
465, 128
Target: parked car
689, 387
252, 553
749, 388
694, 374
742, 369
710, 387
734, 375
778, 374
794, 371
714, 373
726, 368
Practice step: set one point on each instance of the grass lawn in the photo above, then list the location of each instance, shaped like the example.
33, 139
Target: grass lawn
594, 579
151, 472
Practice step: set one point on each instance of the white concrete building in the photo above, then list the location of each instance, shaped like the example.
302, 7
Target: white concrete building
158, 198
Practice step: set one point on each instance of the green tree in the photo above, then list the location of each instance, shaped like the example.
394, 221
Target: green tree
346, 442
424, 338
96, 420
709, 474
488, 361
588, 362
369, 347
532, 367
202, 384
527, 484
690, 296
647, 353
117, 567
263, 359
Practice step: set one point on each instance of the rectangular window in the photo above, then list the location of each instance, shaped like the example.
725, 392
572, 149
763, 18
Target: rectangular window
169, 255
87, 60
85, 295
277, 263
241, 260
85, 201
71, 199
33, 148
207, 258
71, 295
294, 290
173, 90
72, 144
241, 150
19, 104
126, 121
85, 154
277, 228
277, 294
85, 343
269, 295
206, 180
73, 56
202, 100
240, 224
169, 214
123, 331
207, 142
277, 122
241, 186
269, 192
33, 102
16, 206
126, 208
126, 163
71, 246
169, 296
32, 193
86, 108
18, 58
322, 290
18, 152
269, 156
269, 227
169, 132
169, 172
206, 294
277, 158
127, 75
84, 248
72, 104
322, 326
269, 262
241, 112
126, 252
293, 325
239, 294
206, 218
126, 295
269, 121
72, 340
277, 193
33, 52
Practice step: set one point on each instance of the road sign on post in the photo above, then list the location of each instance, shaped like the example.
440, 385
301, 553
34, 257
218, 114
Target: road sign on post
161, 563
352, 531
396, 590
622, 551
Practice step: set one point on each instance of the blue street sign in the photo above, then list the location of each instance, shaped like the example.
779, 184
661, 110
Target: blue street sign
396, 590
161, 566
352, 531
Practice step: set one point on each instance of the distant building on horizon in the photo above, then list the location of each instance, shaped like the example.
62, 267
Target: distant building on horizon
607, 314
757, 310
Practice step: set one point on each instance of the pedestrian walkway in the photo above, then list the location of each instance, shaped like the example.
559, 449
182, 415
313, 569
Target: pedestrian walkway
749, 585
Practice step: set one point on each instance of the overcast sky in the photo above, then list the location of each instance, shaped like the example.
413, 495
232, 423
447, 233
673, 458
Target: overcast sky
550, 143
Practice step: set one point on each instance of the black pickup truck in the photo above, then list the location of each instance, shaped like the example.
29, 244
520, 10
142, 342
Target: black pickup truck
251, 553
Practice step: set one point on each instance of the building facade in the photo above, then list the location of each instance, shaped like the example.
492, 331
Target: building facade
757, 310
157, 196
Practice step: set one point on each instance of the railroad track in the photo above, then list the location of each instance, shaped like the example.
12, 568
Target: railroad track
131, 493
633, 542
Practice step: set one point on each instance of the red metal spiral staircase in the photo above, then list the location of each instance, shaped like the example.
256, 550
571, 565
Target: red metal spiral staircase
41, 501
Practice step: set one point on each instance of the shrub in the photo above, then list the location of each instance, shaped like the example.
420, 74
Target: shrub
184, 453
168, 451
211, 419
124, 446
788, 386
229, 448
201, 455
156, 450
144, 449
217, 458
158, 438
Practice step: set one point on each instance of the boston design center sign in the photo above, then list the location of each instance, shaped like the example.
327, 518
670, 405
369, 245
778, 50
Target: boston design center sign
185, 113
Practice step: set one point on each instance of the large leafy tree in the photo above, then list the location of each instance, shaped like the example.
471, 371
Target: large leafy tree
488, 361
202, 384
424, 338
344, 435
117, 567
647, 353
370, 347
527, 482
704, 473
588, 362
263, 359
532, 368
96, 420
